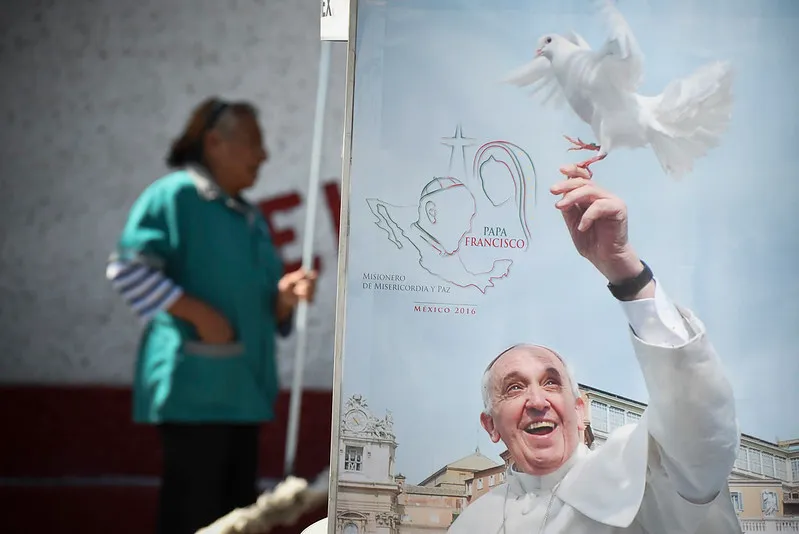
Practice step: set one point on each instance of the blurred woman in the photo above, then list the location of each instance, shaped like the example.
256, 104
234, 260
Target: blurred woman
196, 263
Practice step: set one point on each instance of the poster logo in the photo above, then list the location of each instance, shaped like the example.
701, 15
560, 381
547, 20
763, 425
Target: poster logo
466, 230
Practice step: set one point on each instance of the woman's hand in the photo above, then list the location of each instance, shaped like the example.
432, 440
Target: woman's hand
293, 287
212, 327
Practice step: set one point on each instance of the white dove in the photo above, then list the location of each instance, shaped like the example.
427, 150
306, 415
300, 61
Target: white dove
680, 125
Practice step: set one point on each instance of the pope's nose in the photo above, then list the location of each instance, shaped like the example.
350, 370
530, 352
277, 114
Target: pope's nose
536, 401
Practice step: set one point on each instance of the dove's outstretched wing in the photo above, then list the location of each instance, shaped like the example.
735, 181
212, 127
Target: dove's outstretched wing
620, 59
539, 74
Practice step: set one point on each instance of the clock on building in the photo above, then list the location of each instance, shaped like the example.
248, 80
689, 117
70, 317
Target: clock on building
355, 421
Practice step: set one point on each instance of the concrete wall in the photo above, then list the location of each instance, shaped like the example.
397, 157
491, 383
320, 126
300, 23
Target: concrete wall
92, 92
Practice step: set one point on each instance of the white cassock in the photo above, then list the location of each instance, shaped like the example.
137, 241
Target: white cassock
667, 474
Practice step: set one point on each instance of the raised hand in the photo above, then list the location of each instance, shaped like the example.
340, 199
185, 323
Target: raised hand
597, 222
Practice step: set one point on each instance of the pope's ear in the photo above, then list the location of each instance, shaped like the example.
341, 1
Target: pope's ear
579, 406
488, 424
430, 209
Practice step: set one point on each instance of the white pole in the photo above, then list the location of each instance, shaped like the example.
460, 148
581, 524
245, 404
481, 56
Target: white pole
307, 258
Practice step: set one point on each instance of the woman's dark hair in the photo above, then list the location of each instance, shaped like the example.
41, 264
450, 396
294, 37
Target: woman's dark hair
188, 146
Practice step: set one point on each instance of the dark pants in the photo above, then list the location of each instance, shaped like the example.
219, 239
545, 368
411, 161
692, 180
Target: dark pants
209, 470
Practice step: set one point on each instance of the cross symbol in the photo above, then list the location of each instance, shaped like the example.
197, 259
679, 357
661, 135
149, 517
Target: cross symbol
457, 141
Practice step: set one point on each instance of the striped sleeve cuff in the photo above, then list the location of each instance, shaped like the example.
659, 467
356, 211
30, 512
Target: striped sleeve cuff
145, 289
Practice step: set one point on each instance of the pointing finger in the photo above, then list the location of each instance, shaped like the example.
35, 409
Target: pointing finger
569, 185
581, 196
573, 171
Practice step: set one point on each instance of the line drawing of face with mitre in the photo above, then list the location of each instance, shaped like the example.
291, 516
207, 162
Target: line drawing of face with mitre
436, 228
446, 210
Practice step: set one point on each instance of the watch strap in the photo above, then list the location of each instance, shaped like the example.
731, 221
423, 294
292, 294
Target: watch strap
632, 286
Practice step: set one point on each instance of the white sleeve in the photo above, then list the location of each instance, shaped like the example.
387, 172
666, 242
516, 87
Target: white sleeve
691, 411
657, 320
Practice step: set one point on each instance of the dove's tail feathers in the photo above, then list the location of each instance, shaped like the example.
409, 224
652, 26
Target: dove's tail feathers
691, 115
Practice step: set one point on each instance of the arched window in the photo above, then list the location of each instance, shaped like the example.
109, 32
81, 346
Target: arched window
350, 528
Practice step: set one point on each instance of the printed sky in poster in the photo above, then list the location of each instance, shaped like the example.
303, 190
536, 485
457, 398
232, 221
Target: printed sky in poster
438, 136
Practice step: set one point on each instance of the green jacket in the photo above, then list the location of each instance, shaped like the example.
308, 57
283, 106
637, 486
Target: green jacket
216, 249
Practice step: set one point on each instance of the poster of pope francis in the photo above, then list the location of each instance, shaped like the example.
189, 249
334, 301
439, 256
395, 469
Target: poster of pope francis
567, 284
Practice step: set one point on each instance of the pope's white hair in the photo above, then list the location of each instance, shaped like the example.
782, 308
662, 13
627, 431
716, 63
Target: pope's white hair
486, 381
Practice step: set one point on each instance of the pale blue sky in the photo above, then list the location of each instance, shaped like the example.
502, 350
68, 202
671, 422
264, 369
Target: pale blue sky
722, 241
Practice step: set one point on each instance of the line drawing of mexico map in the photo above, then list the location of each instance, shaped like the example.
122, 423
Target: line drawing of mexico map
467, 227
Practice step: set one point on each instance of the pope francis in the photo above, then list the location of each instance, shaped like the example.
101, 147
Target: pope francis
667, 474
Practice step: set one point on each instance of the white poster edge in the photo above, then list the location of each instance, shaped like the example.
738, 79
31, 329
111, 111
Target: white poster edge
341, 283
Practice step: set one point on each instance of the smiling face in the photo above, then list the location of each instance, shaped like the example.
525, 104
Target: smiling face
533, 409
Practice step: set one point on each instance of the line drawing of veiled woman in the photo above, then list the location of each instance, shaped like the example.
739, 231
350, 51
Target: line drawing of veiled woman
502, 170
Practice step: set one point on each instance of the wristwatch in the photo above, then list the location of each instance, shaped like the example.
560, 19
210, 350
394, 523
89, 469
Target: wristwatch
632, 286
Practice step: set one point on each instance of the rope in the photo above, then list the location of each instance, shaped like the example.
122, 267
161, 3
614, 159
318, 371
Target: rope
289, 501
